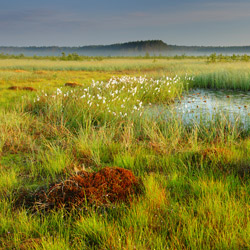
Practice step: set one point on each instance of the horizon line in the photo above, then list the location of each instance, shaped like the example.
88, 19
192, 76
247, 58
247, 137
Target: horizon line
75, 46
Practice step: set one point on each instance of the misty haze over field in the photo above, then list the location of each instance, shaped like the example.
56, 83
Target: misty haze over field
138, 48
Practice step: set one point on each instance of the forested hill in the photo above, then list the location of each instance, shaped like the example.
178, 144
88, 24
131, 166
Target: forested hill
152, 47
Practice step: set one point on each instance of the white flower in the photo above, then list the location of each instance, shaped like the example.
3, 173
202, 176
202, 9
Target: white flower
58, 91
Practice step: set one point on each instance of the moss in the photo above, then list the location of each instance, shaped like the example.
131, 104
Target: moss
22, 88
72, 84
109, 185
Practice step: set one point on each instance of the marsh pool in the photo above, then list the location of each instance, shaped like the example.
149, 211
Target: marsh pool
204, 105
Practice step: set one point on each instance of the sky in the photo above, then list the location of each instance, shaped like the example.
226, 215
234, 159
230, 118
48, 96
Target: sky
95, 22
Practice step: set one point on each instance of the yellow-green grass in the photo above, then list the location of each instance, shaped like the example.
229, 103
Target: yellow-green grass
43, 80
45, 74
175, 66
197, 188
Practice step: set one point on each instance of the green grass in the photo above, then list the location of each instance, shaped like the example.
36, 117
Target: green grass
235, 80
197, 185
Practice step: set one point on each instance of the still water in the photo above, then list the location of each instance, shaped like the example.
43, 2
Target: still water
203, 105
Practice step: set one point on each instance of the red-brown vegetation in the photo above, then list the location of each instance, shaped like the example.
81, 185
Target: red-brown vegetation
22, 88
109, 185
72, 84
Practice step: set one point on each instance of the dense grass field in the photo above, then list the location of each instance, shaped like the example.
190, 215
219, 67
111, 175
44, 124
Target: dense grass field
196, 178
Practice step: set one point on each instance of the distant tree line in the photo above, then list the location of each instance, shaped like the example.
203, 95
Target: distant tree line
223, 58
212, 58
63, 57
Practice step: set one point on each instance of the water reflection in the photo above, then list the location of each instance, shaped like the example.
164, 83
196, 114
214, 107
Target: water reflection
202, 106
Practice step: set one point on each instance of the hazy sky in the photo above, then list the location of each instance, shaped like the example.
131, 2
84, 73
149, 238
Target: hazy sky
88, 22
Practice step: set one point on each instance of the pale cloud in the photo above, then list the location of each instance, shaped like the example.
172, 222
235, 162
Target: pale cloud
38, 16
61, 26
188, 13
201, 13
215, 12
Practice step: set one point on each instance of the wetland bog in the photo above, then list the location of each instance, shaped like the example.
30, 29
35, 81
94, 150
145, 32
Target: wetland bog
195, 175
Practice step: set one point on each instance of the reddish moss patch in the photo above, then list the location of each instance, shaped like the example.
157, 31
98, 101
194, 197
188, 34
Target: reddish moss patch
109, 185
72, 84
14, 88
22, 88
29, 88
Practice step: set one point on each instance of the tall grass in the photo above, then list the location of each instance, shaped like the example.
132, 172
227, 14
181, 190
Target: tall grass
234, 80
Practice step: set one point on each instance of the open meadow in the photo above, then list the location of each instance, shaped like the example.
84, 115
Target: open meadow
194, 175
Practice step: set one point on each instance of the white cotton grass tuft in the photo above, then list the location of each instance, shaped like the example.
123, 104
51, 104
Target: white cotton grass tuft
120, 96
